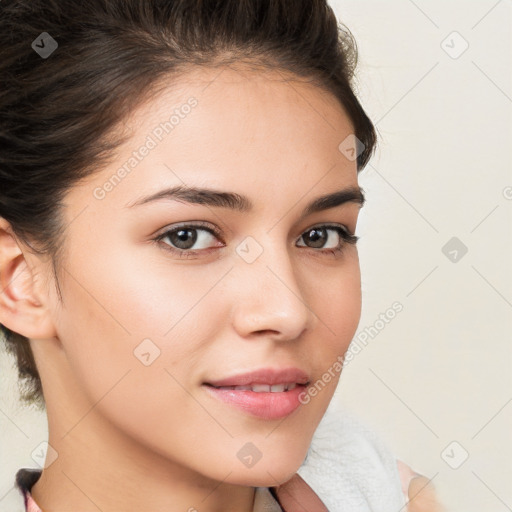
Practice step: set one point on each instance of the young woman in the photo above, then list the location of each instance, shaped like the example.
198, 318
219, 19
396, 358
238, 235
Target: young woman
179, 271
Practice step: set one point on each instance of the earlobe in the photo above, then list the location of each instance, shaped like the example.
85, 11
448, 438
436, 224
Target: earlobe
21, 310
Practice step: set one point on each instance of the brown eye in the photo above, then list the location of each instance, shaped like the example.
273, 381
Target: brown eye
321, 237
316, 236
183, 238
188, 239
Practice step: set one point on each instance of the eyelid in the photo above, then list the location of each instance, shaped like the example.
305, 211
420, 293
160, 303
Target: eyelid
192, 224
332, 225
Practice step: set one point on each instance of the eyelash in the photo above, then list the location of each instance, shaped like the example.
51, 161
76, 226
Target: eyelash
346, 236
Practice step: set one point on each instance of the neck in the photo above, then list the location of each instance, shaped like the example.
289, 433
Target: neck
100, 468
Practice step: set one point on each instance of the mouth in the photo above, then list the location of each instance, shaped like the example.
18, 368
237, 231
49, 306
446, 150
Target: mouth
268, 393
261, 388
264, 377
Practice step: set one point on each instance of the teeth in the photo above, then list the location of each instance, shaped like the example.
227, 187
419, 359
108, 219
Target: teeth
260, 388
263, 388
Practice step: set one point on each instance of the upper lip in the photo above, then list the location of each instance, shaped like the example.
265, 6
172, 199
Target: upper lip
268, 376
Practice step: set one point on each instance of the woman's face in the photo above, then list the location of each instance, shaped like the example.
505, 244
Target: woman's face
143, 326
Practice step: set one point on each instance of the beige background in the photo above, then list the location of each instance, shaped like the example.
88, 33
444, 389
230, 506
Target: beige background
440, 371
434, 381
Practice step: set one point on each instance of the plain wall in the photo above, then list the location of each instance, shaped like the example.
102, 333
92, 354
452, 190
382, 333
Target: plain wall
439, 371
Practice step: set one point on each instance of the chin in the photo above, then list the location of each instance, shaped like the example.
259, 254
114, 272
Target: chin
269, 472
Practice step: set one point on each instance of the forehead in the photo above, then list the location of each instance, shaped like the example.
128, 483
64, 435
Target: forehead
239, 128
240, 103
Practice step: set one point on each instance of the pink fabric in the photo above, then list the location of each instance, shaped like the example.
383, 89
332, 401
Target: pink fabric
31, 505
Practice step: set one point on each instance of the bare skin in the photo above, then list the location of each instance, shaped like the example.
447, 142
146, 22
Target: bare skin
131, 436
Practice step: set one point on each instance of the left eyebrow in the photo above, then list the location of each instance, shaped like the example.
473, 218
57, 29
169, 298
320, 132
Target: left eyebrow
241, 203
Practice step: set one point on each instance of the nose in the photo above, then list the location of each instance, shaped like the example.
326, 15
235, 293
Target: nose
268, 296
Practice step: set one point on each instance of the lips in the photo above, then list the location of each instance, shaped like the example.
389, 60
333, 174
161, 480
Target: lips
264, 380
262, 388
268, 393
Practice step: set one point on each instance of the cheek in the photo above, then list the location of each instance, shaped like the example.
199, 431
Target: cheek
142, 317
133, 343
338, 305
336, 302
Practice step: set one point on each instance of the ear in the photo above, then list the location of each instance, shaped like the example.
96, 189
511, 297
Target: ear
23, 308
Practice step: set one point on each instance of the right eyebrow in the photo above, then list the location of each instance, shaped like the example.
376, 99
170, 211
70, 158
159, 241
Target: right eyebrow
241, 203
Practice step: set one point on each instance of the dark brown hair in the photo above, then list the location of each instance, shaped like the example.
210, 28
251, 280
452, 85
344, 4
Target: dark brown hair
58, 112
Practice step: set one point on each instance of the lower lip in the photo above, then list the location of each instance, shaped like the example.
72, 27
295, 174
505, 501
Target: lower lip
266, 405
